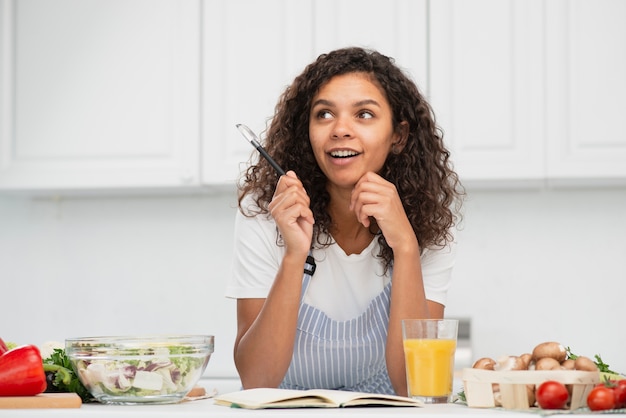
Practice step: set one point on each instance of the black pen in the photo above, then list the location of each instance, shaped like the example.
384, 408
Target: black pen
254, 140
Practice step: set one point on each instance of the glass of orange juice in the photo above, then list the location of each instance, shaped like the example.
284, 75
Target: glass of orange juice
429, 347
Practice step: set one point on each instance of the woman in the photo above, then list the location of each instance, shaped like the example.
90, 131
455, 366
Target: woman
357, 236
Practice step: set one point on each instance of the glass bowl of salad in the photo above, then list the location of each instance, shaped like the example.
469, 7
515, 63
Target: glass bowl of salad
152, 369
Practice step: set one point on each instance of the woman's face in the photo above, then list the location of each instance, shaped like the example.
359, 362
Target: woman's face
350, 128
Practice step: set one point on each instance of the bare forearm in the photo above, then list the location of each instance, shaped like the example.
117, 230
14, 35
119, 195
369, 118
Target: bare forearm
264, 351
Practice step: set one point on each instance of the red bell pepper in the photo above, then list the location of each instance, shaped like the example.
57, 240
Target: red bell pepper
21, 372
3, 347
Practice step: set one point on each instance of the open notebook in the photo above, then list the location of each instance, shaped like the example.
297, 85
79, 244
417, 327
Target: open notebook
264, 398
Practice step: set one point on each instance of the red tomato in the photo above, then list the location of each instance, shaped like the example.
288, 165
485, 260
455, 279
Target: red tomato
552, 395
620, 393
601, 398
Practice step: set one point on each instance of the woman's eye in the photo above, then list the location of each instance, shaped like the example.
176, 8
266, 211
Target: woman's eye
324, 114
365, 114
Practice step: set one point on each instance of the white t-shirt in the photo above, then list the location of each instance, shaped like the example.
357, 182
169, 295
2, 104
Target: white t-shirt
342, 286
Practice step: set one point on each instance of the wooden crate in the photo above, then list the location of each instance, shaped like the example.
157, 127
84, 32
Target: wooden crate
479, 393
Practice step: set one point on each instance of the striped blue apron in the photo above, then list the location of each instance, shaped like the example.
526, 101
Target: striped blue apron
345, 355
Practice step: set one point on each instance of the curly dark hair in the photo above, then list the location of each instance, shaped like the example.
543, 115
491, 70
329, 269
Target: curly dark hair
422, 172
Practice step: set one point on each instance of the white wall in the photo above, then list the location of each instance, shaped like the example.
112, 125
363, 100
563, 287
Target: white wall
544, 265
534, 265
117, 266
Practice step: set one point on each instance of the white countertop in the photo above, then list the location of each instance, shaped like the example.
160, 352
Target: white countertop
206, 408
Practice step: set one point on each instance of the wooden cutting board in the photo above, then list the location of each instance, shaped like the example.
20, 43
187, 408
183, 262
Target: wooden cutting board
43, 400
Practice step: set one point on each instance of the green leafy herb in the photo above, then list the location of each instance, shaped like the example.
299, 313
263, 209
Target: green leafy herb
65, 380
461, 396
602, 366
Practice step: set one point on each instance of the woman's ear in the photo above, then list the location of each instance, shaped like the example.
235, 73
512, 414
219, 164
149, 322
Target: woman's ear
401, 137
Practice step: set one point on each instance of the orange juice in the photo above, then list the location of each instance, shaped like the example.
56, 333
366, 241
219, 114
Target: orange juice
430, 366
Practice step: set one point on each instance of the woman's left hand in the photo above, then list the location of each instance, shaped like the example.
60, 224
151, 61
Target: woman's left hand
373, 196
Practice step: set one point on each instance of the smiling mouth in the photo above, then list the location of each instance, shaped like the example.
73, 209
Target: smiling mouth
343, 154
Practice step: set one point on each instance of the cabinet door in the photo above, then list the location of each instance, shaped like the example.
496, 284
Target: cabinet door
99, 94
251, 51
396, 28
486, 65
586, 86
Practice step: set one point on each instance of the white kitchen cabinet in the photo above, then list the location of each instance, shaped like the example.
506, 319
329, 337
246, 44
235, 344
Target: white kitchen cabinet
252, 50
397, 28
133, 94
531, 91
99, 94
586, 87
486, 86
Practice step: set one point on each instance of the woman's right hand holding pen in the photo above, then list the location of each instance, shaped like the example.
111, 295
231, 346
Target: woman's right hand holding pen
267, 327
293, 216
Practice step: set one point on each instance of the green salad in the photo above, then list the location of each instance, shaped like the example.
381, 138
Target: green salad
142, 372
